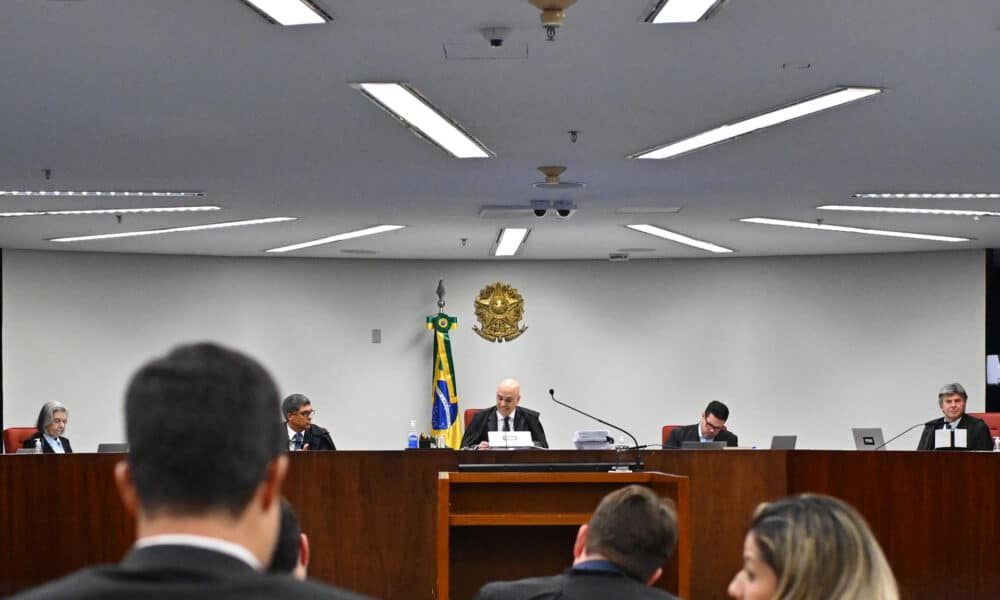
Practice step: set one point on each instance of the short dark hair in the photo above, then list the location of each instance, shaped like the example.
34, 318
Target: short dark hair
635, 529
720, 410
185, 463
292, 403
286, 550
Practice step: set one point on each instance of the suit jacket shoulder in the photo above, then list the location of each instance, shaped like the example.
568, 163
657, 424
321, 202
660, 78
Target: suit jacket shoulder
573, 584
176, 572
318, 438
687, 433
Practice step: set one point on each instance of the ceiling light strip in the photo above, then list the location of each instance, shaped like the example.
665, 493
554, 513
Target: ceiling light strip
350, 235
109, 211
912, 211
683, 11
728, 132
106, 236
100, 193
932, 195
289, 12
679, 238
424, 119
510, 241
845, 229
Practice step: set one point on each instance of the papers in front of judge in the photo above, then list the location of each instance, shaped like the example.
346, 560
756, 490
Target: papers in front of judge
596, 439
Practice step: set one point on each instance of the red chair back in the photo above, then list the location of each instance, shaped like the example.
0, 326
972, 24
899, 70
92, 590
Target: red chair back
992, 421
13, 437
469, 413
666, 432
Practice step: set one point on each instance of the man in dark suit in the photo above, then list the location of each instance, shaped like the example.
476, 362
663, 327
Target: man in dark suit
302, 434
711, 428
507, 416
952, 399
619, 554
51, 425
206, 507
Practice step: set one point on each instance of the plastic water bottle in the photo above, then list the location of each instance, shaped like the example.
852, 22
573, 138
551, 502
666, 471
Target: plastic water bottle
413, 440
38, 445
996, 444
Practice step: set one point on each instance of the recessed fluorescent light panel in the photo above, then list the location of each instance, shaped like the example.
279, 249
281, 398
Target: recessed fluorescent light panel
107, 236
843, 229
914, 195
911, 211
711, 137
679, 238
99, 193
682, 11
409, 106
289, 12
510, 240
350, 235
108, 211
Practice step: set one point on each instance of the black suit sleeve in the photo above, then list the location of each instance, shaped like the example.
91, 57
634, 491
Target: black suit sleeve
926, 438
537, 431
979, 436
318, 439
476, 432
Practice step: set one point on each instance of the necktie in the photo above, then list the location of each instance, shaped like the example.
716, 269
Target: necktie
297, 438
506, 423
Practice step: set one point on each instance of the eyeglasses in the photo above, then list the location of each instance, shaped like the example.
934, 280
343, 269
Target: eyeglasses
307, 413
709, 425
60, 421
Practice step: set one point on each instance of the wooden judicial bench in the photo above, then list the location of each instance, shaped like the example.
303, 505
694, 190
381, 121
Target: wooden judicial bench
373, 520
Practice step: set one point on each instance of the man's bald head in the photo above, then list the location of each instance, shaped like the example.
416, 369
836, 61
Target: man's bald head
508, 396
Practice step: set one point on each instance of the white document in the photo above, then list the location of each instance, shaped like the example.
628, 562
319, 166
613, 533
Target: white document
510, 439
961, 438
942, 438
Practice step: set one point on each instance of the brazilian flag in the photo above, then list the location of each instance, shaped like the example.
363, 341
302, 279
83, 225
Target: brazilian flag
444, 407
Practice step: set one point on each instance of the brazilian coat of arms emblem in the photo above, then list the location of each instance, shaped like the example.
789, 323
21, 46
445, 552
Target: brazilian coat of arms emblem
499, 310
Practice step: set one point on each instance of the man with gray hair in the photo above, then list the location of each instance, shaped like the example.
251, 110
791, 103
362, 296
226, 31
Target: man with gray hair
302, 434
618, 554
952, 399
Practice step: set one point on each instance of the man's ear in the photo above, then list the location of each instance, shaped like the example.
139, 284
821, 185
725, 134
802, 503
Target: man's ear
270, 490
580, 545
126, 488
303, 549
655, 576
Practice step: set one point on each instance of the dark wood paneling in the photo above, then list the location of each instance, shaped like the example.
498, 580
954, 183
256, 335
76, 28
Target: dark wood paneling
371, 515
934, 513
58, 513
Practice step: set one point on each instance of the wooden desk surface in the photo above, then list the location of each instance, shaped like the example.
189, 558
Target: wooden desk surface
370, 515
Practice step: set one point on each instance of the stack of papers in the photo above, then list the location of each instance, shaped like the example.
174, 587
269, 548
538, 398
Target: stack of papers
591, 440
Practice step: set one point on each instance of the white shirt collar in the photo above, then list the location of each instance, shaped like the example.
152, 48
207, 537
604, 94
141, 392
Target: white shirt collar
292, 432
200, 541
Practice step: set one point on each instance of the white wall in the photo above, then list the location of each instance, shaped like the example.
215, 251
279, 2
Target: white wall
804, 345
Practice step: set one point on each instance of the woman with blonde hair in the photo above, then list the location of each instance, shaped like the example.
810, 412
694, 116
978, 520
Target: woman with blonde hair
810, 547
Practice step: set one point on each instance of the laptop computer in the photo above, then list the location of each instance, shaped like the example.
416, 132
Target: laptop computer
783, 442
703, 445
510, 439
112, 448
868, 438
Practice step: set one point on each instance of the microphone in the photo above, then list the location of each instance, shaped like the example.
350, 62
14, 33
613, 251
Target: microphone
639, 466
908, 430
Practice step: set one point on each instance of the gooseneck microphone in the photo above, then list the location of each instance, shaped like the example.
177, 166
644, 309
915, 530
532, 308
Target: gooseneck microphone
908, 430
638, 466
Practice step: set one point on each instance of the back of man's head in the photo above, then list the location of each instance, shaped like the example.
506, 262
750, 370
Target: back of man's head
720, 410
201, 428
635, 529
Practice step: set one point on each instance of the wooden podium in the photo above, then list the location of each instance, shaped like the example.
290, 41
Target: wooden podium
510, 525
